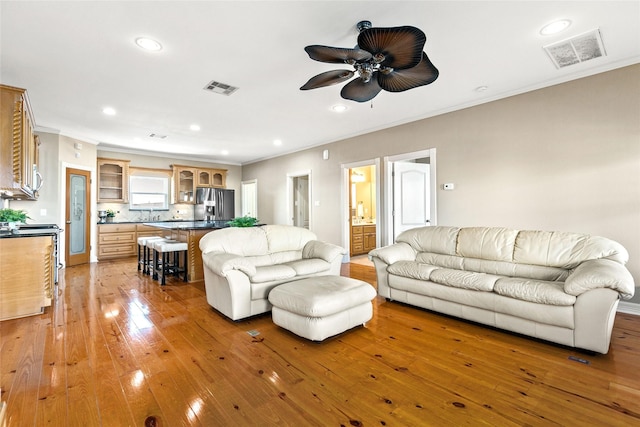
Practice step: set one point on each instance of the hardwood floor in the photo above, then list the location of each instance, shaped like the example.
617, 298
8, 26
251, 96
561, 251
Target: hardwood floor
115, 349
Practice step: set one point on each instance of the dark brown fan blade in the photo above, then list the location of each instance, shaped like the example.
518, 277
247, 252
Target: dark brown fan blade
337, 55
400, 47
359, 91
327, 78
400, 80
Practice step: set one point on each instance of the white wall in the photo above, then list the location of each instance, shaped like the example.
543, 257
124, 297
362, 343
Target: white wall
562, 158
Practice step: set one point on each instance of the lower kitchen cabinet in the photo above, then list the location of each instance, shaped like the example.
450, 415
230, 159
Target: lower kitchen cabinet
26, 275
116, 241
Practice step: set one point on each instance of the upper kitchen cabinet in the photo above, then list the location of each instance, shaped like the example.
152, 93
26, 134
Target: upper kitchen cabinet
113, 180
184, 184
216, 178
19, 176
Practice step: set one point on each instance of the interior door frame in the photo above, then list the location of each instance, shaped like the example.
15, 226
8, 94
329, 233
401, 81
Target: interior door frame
86, 256
63, 206
388, 199
291, 197
344, 202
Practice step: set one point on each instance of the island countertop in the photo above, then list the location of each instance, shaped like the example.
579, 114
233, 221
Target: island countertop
189, 225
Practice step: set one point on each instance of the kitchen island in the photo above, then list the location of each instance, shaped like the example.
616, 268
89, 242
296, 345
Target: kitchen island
27, 267
190, 232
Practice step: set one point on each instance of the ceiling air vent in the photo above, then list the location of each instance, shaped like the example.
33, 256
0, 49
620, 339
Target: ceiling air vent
221, 88
157, 135
577, 49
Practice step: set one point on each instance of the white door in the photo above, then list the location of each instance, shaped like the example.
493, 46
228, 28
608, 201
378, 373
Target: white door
411, 197
250, 198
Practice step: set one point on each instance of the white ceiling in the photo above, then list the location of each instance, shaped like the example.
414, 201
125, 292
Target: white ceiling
75, 58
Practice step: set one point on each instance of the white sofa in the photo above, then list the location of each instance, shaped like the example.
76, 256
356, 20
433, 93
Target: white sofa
242, 265
560, 287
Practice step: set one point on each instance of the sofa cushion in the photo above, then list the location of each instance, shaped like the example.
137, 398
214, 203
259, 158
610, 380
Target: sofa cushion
304, 267
538, 291
241, 241
284, 256
441, 240
500, 268
464, 279
268, 273
282, 238
566, 250
412, 269
495, 244
447, 261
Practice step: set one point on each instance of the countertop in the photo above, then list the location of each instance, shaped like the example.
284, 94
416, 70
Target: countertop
189, 225
29, 233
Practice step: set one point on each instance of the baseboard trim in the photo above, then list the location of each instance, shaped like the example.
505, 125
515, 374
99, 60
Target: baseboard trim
629, 308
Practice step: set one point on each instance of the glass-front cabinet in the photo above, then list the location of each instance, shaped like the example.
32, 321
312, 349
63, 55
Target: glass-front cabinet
211, 178
184, 184
113, 180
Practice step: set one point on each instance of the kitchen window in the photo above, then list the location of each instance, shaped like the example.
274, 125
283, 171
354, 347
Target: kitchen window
148, 189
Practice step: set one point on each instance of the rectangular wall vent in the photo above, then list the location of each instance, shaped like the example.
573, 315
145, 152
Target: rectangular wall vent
221, 88
157, 135
577, 49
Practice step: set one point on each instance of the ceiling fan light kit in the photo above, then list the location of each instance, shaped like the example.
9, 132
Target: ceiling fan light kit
390, 59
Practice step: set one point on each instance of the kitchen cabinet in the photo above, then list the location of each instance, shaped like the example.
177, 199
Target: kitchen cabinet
363, 239
116, 241
26, 275
184, 184
19, 176
215, 178
121, 240
113, 180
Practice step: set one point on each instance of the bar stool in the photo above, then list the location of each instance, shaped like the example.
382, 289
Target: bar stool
144, 254
168, 249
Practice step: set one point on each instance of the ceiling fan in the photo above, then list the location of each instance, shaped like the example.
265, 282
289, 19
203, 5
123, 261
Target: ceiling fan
388, 59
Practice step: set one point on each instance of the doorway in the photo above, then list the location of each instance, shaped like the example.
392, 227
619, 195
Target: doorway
77, 217
361, 206
249, 191
411, 184
299, 194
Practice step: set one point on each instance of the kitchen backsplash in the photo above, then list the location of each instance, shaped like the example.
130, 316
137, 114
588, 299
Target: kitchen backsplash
123, 214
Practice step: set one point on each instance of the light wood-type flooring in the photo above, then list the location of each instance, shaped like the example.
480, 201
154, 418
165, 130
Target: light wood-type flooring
116, 349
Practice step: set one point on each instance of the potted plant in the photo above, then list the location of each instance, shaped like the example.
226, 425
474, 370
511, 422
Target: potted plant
13, 216
243, 221
110, 215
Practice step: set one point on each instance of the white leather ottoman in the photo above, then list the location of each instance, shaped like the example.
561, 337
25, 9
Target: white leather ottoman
321, 306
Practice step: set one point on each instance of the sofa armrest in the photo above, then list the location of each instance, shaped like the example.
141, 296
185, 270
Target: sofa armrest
394, 253
600, 273
322, 250
221, 262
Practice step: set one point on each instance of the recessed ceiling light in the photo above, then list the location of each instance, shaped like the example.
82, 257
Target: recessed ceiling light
339, 108
224, 152
277, 142
148, 44
194, 127
555, 27
109, 111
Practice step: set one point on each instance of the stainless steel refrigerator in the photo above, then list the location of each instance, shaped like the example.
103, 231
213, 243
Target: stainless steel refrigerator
214, 204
